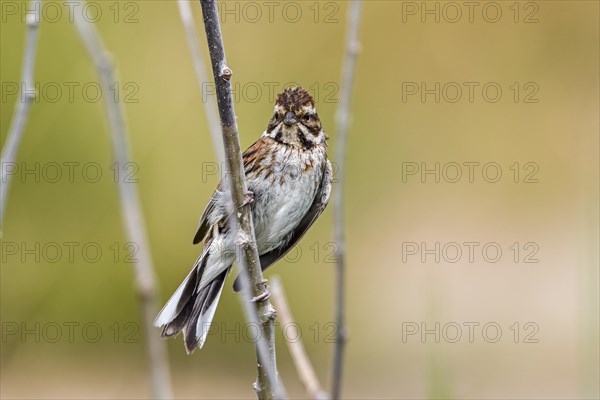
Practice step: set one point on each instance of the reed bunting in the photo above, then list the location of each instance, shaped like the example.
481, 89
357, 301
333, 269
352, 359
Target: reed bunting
289, 176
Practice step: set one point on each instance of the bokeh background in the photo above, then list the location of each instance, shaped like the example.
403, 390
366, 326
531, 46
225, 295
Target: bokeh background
546, 47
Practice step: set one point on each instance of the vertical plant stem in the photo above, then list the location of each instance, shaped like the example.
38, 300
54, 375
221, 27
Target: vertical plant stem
210, 106
130, 210
342, 121
267, 385
303, 365
27, 95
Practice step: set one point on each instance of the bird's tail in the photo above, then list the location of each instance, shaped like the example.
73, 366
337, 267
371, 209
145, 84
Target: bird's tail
191, 310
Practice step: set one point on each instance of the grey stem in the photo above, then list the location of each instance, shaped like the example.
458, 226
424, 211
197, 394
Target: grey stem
130, 210
27, 95
210, 106
267, 385
306, 372
342, 121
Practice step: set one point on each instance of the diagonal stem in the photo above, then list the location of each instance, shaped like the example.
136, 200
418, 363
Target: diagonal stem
27, 95
131, 212
305, 370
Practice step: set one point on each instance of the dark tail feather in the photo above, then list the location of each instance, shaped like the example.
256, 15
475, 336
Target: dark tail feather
184, 307
203, 307
190, 310
175, 313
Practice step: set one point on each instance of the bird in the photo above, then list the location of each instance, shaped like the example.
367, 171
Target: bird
289, 179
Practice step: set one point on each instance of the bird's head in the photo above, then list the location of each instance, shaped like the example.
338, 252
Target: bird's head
295, 121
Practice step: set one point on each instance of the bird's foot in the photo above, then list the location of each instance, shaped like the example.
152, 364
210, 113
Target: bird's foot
264, 295
248, 198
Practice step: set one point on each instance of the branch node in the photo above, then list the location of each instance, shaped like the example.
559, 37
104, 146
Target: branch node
354, 48
226, 73
258, 387
146, 288
242, 239
270, 313
343, 335
30, 94
32, 20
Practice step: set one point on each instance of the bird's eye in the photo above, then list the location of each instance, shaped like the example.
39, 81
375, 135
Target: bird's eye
275, 116
306, 117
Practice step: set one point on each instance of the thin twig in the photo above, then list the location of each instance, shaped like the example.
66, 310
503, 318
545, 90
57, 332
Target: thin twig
27, 95
267, 385
130, 209
303, 365
342, 120
210, 106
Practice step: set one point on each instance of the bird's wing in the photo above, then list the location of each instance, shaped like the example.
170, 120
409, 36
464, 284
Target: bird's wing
203, 224
317, 207
250, 157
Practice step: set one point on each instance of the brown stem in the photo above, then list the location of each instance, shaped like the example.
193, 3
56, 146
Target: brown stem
267, 385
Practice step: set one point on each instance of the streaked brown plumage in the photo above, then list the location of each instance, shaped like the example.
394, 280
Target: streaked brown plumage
290, 177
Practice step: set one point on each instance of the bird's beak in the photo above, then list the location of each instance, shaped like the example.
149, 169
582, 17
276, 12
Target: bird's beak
289, 119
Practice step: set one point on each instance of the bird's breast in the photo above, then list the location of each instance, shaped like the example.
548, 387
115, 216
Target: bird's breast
285, 196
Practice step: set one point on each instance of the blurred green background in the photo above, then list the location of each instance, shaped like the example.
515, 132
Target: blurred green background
546, 47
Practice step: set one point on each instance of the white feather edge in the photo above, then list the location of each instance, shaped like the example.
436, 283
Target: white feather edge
211, 271
168, 312
203, 324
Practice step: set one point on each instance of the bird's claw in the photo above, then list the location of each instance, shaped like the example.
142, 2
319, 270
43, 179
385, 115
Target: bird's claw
264, 295
248, 198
